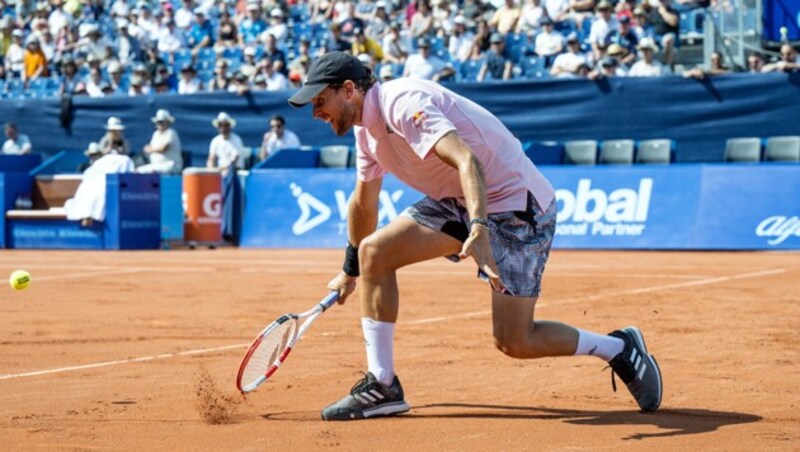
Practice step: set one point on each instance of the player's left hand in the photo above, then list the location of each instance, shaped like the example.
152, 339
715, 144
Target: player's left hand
479, 247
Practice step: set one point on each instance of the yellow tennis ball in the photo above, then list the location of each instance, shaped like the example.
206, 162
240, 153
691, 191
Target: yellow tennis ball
20, 280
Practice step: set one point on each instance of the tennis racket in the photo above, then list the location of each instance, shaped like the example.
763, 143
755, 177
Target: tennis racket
271, 347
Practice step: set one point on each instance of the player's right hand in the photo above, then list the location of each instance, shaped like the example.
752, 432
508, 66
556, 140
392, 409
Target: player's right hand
344, 284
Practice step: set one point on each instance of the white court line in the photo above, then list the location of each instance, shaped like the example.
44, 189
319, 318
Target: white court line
412, 322
122, 361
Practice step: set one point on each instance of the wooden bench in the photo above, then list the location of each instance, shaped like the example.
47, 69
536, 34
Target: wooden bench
49, 193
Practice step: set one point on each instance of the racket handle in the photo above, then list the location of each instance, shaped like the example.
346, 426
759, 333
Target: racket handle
329, 300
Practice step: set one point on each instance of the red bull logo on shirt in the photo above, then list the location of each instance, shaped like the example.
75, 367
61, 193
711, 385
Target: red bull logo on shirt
418, 118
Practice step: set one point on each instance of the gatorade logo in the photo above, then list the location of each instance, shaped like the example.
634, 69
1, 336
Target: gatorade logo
593, 211
779, 227
212, 209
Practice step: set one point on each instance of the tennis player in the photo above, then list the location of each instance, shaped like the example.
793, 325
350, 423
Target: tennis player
485, 200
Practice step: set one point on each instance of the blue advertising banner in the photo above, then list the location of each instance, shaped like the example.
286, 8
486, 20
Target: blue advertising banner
625, 207
635, 207
749, 207
307, 208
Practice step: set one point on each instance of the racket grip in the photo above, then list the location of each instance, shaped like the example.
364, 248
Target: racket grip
329, 300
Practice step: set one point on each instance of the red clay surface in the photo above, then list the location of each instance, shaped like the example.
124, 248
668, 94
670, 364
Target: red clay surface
723, 326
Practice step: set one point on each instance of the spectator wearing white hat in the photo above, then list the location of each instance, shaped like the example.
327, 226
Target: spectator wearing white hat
94, 153
277, 26
226, 148
164, 148
602, 29
114, 139
15, 55
460, 45
93, 43
118, 84
647, 66
249, 66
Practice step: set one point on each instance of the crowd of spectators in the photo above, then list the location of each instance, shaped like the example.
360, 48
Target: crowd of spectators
142, 47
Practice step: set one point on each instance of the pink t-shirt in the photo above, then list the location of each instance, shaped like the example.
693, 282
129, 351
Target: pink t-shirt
403, 119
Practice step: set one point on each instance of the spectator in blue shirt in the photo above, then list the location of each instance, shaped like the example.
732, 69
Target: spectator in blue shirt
274, 54
201, 33
251, 27
498, 63
625, 36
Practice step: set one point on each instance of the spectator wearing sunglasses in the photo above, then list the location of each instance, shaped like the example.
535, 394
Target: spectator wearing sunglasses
277, 138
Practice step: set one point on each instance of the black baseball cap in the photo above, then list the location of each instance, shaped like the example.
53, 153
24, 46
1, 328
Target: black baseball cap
333, 68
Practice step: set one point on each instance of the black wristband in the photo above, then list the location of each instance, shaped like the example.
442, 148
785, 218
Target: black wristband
350, 266
479, 221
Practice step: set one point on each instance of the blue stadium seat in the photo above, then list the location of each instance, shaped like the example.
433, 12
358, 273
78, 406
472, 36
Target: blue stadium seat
232, 54
580, 152
469, 70
15, 87
301, 28
533, 66
655, 151
544, 152
334, 156
616, 152
783, 149
207, 54
743, 149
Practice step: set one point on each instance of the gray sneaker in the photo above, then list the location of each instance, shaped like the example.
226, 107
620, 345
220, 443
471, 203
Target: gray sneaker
638, 369
368, 398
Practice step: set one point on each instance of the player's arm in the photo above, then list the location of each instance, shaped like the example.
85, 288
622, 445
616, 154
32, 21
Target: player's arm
456, 153
362, 220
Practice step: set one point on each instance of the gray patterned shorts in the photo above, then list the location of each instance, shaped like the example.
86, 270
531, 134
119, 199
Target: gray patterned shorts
520, 240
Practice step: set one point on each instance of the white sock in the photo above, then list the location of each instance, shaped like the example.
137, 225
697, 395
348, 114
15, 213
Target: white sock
379, 339
599, 345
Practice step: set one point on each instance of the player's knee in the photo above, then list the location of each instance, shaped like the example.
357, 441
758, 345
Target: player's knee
369, 257
511, 346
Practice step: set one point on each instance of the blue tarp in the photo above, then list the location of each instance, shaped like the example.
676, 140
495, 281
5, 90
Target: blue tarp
699, 115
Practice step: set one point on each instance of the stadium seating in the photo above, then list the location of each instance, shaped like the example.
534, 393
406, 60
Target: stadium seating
743, 150
334, 156
545, 152
580, 152
654, 151
618, 152
783, 149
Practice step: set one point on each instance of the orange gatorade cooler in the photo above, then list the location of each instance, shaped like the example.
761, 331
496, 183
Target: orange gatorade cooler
202, 203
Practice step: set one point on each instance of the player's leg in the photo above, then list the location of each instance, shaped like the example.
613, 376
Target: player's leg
402, 242
521, 245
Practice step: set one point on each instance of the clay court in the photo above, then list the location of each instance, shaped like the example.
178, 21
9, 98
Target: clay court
139, 350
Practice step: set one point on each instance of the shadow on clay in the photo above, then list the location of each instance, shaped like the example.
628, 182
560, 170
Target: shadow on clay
675, 421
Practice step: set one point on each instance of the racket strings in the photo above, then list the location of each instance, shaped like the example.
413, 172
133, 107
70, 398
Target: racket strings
268, 351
